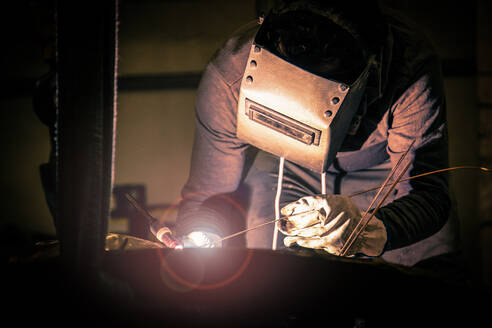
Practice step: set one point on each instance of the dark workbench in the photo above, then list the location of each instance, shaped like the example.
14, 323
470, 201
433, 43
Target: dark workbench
236, 287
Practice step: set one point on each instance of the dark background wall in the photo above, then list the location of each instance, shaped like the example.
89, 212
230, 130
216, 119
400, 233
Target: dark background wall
163, 47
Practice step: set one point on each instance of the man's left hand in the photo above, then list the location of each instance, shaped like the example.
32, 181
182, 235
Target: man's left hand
328, 224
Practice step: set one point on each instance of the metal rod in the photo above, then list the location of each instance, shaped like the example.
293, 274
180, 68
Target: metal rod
266, 223
350, 240
388, 178
484, 169
140, 209
160, 231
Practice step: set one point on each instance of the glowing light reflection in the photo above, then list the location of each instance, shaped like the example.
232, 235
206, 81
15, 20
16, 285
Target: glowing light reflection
198, 271
200, 239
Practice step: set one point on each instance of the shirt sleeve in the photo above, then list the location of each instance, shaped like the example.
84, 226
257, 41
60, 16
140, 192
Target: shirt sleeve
421, 206
217, 156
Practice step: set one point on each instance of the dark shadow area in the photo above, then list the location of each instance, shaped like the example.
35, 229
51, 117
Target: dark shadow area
234, 287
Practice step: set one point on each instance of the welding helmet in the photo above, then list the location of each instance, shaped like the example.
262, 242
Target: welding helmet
304, 80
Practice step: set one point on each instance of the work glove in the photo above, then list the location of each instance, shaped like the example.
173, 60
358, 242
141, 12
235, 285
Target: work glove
201, 239
328, 225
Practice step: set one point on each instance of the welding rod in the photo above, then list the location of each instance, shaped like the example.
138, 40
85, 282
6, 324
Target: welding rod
483, 169
361, 225
266, 223
160, 231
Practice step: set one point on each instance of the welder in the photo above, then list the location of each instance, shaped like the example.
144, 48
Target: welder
340, 90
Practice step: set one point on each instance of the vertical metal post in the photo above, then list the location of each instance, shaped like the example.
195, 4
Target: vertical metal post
86, 111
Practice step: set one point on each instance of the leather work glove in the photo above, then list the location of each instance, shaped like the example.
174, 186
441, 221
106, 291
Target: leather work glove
329, 224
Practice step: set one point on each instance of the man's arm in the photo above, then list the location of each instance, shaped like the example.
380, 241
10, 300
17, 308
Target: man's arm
217, 158
422, 205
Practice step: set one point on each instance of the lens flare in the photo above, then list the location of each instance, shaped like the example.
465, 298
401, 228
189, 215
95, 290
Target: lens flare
195, 271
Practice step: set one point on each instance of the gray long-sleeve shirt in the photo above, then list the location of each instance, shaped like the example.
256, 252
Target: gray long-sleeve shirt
405, 102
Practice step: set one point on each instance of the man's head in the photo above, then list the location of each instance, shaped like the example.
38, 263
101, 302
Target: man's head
333, 39
305, 79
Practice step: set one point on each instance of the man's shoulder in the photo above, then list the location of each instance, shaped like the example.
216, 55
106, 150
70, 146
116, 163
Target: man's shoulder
230, 59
